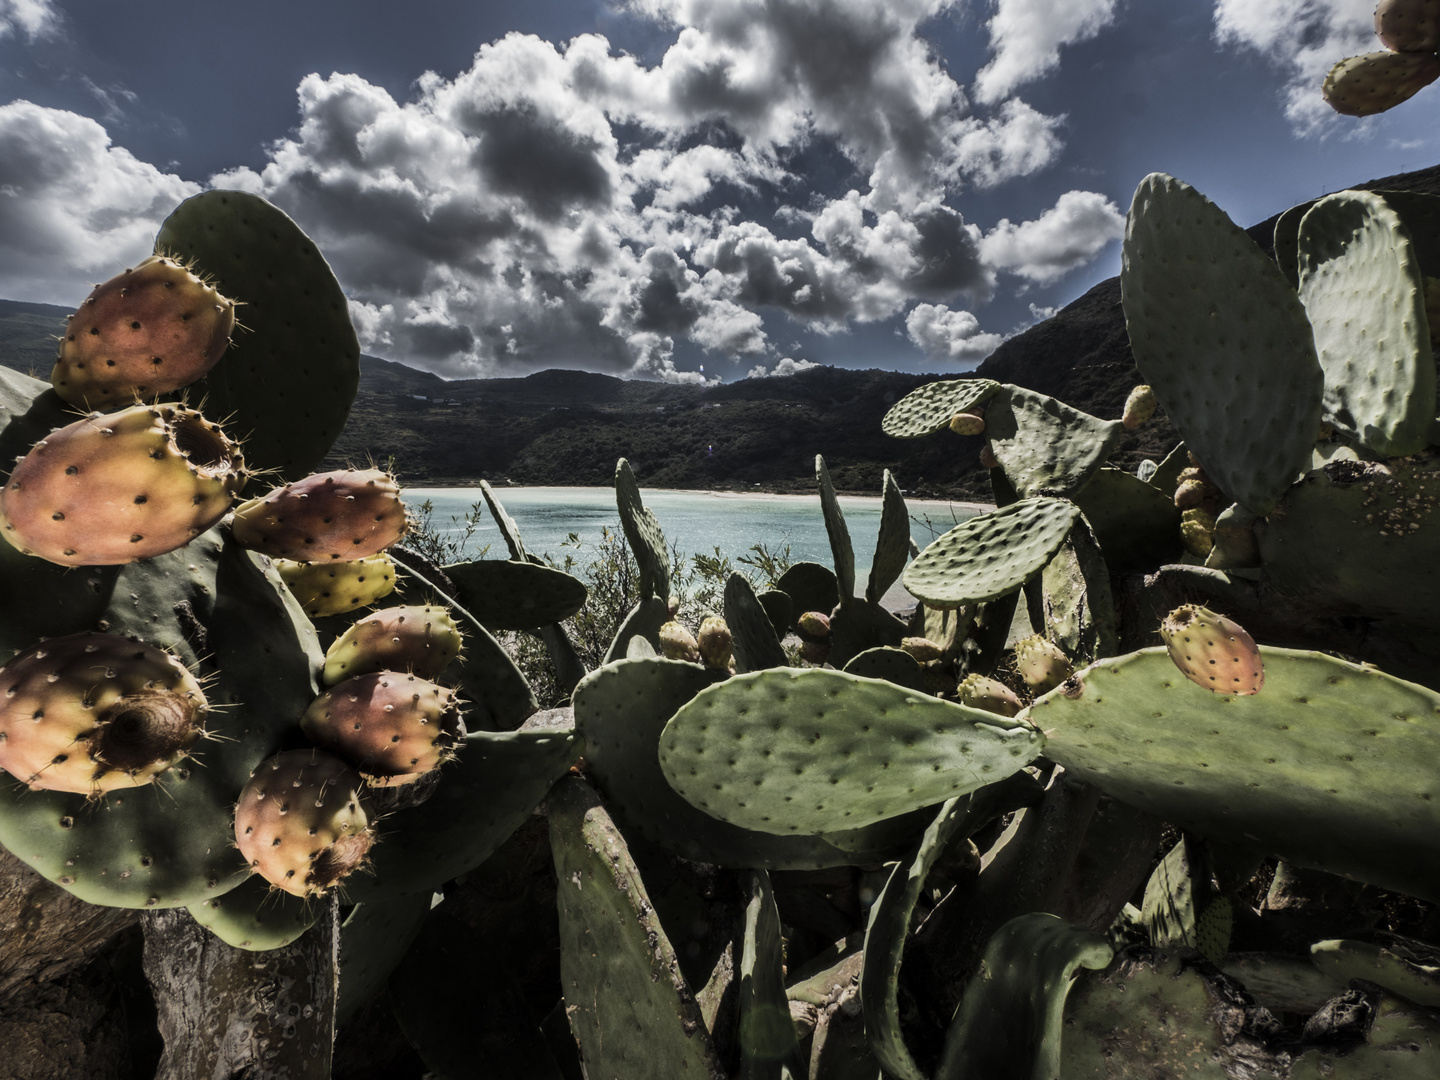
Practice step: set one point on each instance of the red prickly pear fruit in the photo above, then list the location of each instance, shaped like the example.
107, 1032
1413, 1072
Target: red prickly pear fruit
814, 623
1189, 494
113, 488
420, 639
967, 423
391, 726
815, 652
90, 713
988, 458
147, 331
1408, 25
677, 643
1372, 83
981, 693
336, 516
335, 588
1213, 651
1041, 663
1140, 406
922, 649
303, 821
715, 643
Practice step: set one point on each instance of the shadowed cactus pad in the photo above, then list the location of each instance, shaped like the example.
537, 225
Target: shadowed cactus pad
806, 752
991, 554
929, 408
121, 486
92, 713
336, 516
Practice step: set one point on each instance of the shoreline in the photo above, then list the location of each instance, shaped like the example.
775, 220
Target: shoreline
717, 493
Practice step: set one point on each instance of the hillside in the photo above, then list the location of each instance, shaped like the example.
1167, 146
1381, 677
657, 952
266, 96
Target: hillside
568, 427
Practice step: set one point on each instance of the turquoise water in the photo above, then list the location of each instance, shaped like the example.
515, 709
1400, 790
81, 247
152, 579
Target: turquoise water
696, 521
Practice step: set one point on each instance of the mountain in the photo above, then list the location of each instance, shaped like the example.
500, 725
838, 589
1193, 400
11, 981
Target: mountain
568, 427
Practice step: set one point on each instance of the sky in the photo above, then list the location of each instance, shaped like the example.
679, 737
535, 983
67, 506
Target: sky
686, 190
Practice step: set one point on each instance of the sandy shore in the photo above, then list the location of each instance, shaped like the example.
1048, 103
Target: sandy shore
860, 500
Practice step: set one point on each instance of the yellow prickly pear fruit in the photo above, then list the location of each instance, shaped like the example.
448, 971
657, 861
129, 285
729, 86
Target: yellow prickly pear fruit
715, 643
1041, 663
1213, 651
1197, 531
922, 649
981, 693
116, 487
421, 639
967, 423
1139, 407
335, 588
150, 330
677, 643
814, 623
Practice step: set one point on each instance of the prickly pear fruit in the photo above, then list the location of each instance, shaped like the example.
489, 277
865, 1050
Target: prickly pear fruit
302, 821
1370, 84
988, 458
391, 726
152, 329
815, 652
1213, 651
1408, 25
1197, 531
1189, 493
90, 713
116, 487
981, 693
922, 649
677, 643
1041, 663
814, 623
967, 423
335, 588
1139, 407
328, 517
714, 643
422, 640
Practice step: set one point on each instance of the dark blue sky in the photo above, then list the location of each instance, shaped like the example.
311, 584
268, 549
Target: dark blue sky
674, 195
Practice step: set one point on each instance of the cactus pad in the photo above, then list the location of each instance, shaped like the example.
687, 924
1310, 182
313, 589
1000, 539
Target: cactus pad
647, 541
256, 916
1044, 446
509, 594
929, 408
1373, 82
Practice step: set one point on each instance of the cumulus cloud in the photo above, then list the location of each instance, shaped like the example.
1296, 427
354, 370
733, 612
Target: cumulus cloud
1304, 39
1068, 235
32, 18
71, 203
786, 366
1026, 37
950, 336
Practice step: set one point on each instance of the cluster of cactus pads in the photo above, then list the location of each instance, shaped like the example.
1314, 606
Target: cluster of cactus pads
1106, 833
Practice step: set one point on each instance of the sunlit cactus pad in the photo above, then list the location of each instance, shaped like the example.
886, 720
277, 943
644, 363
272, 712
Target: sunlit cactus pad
991, 554
1045, 446
1361, 285
929, 408
1331, 765
1222, 339
802, 752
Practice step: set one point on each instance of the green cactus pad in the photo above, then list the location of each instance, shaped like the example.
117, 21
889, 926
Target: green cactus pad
1287, 241
991, 554
1136, 524
841, 550
1076, 606
1344, 531
756, 643
1421, 214
1362, 287
507, 594
1044, 446
811, 587
779, 609
628, 1005
798, 752
255, 916
647, 541
1374, 82
768, 1048
859, 626
892, 547
493, 786
373, 940
643, 623
1414, 977
1329, 766
928, 408
1013, 1010
621, 710
285, 386
1168, 910
888, 663
503, 521
1222, 339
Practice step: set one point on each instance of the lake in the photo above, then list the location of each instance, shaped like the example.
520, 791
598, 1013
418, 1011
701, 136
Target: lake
698, 521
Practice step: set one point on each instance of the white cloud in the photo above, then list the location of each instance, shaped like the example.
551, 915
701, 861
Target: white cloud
71, 205
1017, 142
33, 18
1303, 39
946, 335
786, 366
1026, 37
1068, 235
